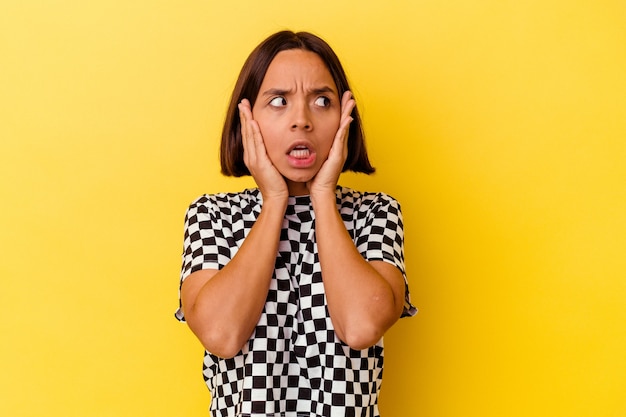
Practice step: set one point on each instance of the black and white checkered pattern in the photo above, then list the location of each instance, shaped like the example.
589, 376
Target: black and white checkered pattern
294, 365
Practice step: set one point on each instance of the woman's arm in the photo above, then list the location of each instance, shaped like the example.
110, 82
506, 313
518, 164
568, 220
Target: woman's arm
223, 307
364, 298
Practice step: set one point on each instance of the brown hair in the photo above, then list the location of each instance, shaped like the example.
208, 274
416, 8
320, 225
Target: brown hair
249, 83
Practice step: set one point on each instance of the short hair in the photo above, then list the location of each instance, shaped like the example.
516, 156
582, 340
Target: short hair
248, 86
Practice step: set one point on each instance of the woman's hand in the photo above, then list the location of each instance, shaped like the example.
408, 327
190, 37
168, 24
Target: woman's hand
325, 181
268, 179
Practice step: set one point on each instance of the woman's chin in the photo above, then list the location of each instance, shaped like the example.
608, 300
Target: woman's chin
300, 176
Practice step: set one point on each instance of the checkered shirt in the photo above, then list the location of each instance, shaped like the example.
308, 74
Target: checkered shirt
294, 365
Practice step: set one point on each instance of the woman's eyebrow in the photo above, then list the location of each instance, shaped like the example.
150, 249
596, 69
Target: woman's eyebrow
276, 92
284, 92
322, 90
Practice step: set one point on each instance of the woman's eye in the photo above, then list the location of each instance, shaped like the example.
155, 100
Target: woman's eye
278, 102
322, 101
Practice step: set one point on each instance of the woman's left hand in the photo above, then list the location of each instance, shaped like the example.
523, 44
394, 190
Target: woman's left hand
325, 181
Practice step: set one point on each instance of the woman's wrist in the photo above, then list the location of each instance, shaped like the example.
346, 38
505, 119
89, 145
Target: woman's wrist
323, 198
275, 203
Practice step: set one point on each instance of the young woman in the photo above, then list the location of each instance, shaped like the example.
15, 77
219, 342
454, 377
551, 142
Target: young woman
290, 286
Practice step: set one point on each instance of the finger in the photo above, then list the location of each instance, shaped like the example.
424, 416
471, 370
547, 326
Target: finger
255, 154
347, 105
243, 126
256, 139
252, 127
340, 143
339, 148
245, 115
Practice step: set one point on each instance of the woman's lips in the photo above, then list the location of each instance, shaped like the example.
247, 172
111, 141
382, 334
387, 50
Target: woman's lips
301, 157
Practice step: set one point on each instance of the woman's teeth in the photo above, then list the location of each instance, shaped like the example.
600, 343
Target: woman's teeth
299, 152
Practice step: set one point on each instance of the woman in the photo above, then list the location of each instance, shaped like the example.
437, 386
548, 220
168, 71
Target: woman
290, 286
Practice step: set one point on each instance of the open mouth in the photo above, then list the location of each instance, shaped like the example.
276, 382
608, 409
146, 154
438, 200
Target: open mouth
300, 152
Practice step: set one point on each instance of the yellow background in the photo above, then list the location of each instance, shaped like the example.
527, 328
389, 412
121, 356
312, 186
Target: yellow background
499, 125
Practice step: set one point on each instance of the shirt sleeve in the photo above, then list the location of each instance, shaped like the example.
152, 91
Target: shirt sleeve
380, 237
203, 247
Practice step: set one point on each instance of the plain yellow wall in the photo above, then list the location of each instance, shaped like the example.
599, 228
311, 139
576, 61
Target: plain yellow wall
499, 125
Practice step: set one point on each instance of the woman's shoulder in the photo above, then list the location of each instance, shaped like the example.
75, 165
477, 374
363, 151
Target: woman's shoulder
228, 202
364, 199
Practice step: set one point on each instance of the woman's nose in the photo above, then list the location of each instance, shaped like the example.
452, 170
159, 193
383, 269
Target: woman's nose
301, 117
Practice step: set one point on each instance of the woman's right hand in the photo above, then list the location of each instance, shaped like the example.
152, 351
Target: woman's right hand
270, 182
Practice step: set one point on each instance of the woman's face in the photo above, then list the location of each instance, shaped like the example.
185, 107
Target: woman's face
298, 110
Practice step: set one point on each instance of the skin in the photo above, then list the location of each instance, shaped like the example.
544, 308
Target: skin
298, 105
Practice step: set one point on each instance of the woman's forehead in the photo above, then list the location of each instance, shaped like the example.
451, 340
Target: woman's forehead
298, 65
